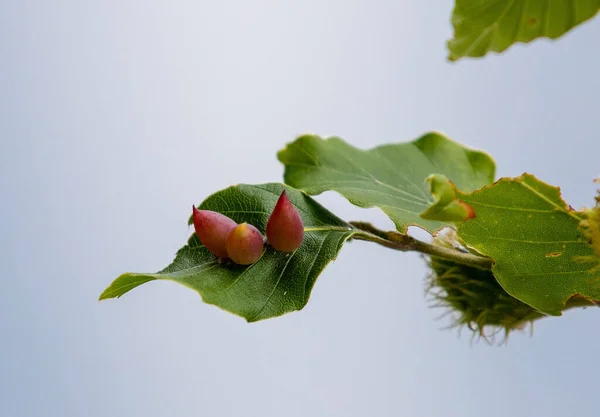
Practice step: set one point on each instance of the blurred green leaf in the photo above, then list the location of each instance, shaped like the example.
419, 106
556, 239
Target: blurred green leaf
276, 284
481, 26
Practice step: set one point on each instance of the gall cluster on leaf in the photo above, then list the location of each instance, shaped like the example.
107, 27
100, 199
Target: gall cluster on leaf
243, 243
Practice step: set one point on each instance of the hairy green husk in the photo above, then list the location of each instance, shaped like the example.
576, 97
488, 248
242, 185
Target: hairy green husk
476, 300
590, 227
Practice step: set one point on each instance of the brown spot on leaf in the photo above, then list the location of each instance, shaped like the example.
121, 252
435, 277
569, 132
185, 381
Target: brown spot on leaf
470, 212
580, 300
553, 254
532, 20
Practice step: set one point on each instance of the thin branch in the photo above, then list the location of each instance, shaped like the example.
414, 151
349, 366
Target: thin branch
405, 243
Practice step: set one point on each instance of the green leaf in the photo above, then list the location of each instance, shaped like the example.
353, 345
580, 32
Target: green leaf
534, 237
277, 283
493, 25
391, 177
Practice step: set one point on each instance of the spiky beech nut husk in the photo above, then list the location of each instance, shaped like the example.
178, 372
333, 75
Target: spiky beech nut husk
212, 229
244, 244
285, 229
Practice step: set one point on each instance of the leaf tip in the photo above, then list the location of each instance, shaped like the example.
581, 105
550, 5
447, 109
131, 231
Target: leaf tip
123, 284
105, 295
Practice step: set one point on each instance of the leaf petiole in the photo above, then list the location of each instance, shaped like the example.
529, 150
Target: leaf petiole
405, 243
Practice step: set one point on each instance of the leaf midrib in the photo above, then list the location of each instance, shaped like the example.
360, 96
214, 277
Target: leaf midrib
552, 203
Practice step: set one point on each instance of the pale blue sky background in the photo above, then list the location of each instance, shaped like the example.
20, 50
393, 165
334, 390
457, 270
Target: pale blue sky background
116, 116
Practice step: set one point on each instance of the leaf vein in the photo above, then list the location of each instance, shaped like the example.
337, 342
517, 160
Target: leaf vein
275, 286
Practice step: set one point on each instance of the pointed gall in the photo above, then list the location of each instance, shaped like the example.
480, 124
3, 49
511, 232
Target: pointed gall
285, 230
212, 229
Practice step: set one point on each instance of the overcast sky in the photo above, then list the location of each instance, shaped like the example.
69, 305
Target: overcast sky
116, 116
